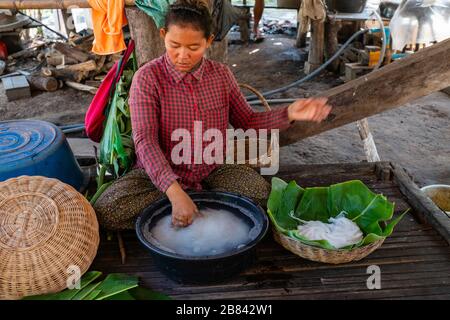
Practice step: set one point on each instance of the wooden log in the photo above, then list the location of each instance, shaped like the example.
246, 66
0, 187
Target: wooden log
93, 83
63, 74
24, 54
43, 83
56, 60
49, 4
412, 77
81, 87
72, 52
87, 66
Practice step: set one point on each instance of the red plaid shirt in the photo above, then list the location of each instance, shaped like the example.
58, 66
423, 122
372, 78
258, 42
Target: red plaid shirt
163, 99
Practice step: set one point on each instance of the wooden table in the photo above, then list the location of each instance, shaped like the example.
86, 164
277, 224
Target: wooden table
414, 261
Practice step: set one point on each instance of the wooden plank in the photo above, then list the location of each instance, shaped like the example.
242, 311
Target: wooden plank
422, 204
392, 86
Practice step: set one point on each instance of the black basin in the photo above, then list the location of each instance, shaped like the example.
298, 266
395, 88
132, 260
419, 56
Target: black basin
205, 269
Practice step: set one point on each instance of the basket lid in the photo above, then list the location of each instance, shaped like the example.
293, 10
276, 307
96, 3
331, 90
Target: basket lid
46, 229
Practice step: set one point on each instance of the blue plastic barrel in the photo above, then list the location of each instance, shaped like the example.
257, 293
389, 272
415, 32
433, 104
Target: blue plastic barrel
37, 148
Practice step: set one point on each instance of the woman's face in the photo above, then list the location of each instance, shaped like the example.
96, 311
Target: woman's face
185, 46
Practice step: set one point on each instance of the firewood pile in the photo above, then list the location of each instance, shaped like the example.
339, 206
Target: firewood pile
49, 65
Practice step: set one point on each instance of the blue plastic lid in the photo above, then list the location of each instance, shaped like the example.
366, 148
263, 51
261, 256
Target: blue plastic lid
24, 139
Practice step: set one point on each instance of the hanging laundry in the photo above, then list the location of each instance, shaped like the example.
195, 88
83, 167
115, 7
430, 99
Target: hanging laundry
157, 10
108, 17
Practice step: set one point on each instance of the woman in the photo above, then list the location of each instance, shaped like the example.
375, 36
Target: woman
176, 91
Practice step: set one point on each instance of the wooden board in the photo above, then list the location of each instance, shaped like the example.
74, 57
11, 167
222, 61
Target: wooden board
414, 261
402, 81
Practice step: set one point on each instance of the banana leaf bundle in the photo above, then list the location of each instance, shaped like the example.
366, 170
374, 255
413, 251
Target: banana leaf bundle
116, 146
289, 204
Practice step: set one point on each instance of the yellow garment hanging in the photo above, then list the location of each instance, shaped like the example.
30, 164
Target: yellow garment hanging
108, 18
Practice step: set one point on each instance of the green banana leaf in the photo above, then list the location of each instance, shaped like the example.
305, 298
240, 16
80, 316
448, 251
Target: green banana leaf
371, 212
116, 283
115, 286
69, 294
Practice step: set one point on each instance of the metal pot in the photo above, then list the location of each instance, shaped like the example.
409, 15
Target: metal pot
207, 269
346, 6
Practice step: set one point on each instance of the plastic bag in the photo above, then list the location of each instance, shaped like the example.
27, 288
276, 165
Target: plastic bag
157, 10
116, 146
420, 22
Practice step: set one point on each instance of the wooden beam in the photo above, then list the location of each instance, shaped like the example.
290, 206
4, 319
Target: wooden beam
49, 4
402, 81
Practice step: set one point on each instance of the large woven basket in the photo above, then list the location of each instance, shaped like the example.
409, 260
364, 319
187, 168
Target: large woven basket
47, 229
323, 255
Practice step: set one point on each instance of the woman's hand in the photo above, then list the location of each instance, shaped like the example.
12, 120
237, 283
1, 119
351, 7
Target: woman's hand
312, 109
183, 208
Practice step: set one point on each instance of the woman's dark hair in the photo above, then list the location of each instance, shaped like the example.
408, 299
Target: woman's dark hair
194, 13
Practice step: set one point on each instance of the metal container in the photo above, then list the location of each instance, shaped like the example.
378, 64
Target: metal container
205, 269
346, 6
440, 195
37, 148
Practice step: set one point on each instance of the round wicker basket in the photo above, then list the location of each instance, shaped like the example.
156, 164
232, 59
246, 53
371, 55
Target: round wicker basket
46, 227
324, 255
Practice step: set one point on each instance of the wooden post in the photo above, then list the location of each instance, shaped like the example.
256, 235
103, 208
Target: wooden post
316, 47
370, 148
331, 46
412, 77
145, 35
149, 45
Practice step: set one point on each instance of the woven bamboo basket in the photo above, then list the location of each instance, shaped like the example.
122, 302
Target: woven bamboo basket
323, 255
47, 229
261, 160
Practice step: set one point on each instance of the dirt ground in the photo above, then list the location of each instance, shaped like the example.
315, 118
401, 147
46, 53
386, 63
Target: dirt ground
414, 136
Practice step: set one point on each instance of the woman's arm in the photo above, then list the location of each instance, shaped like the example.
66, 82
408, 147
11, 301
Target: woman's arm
145, 114
243, 116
